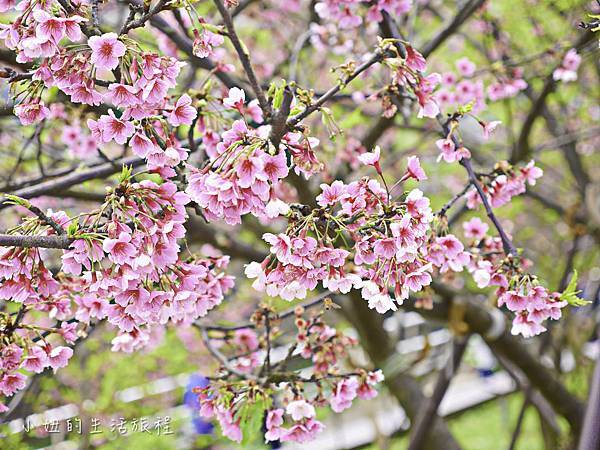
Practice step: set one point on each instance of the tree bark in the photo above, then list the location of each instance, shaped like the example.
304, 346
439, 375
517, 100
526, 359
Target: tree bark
482, 321
407, 390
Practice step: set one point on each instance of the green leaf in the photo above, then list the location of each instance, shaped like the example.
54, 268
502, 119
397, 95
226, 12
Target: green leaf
15, 200
251, 418
464, 109
126, 172
278, 98
72, 228
569, 295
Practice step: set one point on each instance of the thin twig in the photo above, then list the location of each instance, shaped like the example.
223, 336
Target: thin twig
293, 121
242, 52
222, 358
283, 315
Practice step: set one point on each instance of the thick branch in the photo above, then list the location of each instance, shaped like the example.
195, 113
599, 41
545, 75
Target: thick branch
522, 150
421, 426
490, 324
73, 179
13, 240
461, 16
590, 435
381, 350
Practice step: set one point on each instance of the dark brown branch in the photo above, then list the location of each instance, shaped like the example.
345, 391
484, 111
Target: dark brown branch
13, 240
426, 415
244, 58
144, 18
278, 124
522, 150
590, 434
44, 218
73, 179
507, 244
490, 324
222, 358
293, 121
184, 44
461, 17
453, 200
381, 350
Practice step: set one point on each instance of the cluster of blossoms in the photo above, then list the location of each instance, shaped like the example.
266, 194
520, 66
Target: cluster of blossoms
30, 357
205, 41
568, 68
36, 32
140, 91
234, 403
346, 13
123, 265
520, 292
244, 169
393, 250
460, 87
408, 74
133, 274
25, 280
81, 145
505, 183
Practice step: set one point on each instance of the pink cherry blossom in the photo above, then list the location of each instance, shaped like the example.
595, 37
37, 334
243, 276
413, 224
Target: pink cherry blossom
300, 409
59, 357
414, 169
475, 228
345, 391
183, 113
119, 250
112, 128
489, 127
235, 99
33, 112
106, 51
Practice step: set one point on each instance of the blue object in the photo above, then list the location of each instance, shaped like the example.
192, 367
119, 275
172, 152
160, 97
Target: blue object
190, 399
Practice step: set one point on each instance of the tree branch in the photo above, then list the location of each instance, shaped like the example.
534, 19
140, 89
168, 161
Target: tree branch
75, 178
461, 17
14, 240
293, 121
242, 52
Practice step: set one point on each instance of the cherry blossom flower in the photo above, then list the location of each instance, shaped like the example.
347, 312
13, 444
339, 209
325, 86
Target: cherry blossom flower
106, 51
235, 99
273, 424
59, 357
300, 409
204, 43
568, 70
345, 391
489, 127
111, 128
183, 113
372, 158
33, 112
414, 169
122, 94
475, 228
466, 67
36, 361
119, 250
141, 145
